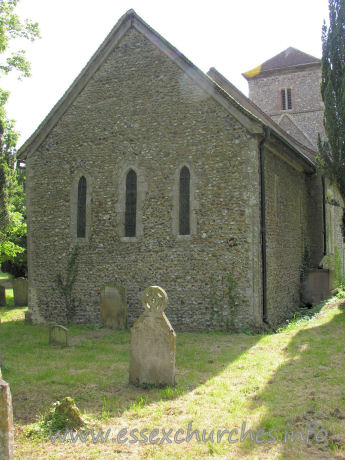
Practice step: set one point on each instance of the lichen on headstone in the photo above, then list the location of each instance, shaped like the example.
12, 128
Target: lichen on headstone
58, 335
153, 342
6, 422
114, 305
20, 292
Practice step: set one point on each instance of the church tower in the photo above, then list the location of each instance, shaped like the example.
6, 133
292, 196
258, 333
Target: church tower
287, 87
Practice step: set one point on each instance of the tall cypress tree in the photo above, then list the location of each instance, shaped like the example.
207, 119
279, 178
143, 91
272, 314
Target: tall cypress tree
332, 150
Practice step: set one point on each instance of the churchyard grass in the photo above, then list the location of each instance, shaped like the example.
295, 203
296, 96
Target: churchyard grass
9, 313
278, 381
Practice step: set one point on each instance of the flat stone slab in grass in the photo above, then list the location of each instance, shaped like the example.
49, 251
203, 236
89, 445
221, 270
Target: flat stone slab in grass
58, 335
114, 305
153, 343
6, 422
20, 292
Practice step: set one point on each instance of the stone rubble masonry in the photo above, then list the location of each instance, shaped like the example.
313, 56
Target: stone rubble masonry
6, 422
141, 111
293, 223
304, 121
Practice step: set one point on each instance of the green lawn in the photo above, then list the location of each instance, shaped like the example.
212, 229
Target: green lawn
9, 313
279, 381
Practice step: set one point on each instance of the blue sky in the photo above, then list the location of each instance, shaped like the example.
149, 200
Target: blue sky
231, 35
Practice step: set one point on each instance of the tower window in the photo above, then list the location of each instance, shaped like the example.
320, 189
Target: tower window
131, 204
286, 99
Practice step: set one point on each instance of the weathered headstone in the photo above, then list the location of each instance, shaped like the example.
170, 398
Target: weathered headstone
20, 292
315, 286
6, 421
58, 335
2, 296
153, 342
114, 305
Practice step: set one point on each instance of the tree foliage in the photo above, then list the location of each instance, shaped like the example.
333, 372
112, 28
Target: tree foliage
12, 208
11, 27
332, 150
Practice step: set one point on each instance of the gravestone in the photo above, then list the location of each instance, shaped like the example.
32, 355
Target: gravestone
6, 421
20, 292
114, 306
315, 286
153, 342
2, 296
58, 335
6, 283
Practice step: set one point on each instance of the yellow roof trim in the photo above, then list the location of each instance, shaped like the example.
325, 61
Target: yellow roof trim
254, 72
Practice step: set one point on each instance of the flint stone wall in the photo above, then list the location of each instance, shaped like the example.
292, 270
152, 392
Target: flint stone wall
141, 111
293, 226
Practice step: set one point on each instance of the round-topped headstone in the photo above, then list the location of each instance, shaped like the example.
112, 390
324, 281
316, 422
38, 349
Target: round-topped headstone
153, 342
154, 299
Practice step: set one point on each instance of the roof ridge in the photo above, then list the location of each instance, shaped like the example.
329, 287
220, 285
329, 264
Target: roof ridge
232, 104
128, 20
289, 58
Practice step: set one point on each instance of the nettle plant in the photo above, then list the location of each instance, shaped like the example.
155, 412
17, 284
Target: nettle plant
224, 302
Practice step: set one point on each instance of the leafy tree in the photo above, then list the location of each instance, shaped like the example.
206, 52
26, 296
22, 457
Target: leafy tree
12, 209
332, 150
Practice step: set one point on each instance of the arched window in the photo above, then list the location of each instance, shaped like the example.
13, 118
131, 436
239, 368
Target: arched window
81, 208
131, 204
184, 209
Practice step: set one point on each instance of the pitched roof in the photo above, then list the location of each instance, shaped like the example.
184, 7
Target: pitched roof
289, 58
233, 101
128, 20
304, 152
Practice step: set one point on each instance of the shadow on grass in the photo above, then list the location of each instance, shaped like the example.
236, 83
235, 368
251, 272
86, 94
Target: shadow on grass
94, 369
308, 389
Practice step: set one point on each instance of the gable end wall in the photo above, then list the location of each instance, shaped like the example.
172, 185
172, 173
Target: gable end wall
141, 110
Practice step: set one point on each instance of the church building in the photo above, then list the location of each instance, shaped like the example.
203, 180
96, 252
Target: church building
164, 175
